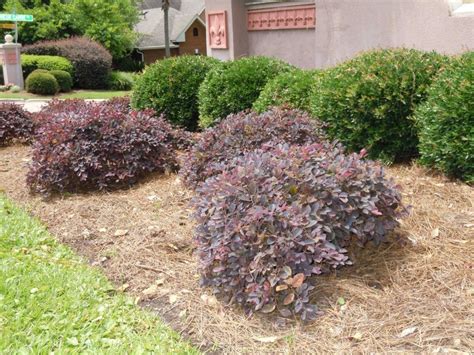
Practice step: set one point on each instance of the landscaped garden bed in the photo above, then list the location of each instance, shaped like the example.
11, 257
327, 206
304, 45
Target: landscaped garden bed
298, 239
408, 298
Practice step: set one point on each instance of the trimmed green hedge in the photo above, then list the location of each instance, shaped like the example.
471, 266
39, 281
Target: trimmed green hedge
291, 89
41, 83
446, 121
368, 101
234, 86
171, 86
30, 63
63, 78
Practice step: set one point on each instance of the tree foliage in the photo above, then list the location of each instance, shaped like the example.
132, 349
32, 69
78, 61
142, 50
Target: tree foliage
109, 22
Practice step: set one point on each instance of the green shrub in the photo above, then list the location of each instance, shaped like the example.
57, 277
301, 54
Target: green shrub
15, 89
63, 78
42, 84
368, 101
287, 89
40, 71
234, 86
121, 80
170, 86
446, 121
30, 63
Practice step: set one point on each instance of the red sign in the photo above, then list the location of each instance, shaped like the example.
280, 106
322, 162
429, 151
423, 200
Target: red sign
9, 58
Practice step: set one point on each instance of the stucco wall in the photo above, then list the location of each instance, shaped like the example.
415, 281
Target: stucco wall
346, 27
294, 46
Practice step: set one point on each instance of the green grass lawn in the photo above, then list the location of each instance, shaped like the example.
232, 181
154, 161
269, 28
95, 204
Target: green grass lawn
79, 94
51, 302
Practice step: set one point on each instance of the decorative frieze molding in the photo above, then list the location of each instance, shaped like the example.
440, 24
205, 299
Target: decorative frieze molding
217, 29
282, 18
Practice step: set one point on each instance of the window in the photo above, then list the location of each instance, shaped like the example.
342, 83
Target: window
462, 7
195, 32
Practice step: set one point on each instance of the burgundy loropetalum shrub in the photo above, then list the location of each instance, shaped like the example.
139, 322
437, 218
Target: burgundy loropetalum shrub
176, 137
55, 108
243, 132
120, 103
15, 124
97, 146
279, 215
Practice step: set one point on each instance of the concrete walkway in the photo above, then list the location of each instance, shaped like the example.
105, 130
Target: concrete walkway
33, 105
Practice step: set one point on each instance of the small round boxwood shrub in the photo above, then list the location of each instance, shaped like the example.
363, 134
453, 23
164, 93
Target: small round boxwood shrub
292, 89
446, 121
368, 101
241, 133
170, 86
30, 63
277, 216
15, 124
41, 83
231, 87
91, 61
91, 146
63, 78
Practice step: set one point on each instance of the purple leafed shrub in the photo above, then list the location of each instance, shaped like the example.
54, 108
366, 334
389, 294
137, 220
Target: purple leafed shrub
120, 103
15, 124
57, 107
178, 138
244, 132
83, 146
279, 215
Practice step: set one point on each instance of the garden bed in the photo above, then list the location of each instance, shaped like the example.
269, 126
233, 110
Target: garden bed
412, 298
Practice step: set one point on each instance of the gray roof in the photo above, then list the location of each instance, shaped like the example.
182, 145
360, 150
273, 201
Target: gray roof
151, 26
150, 4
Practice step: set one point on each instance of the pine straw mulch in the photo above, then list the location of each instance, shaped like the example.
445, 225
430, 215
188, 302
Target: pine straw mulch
416, 297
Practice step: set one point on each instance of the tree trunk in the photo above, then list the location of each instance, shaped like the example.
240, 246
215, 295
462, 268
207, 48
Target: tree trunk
165, 8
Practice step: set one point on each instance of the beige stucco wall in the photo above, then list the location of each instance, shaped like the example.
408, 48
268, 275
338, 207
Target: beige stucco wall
294, 46
346, 27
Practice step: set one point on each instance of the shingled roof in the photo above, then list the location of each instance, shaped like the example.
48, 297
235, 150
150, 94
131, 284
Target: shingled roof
182, 14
